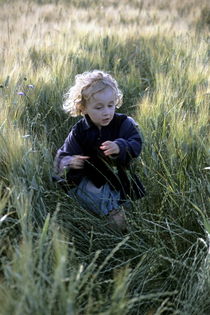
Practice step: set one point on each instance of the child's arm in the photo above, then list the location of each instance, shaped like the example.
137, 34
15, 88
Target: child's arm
69, 155
110, 147
129, 143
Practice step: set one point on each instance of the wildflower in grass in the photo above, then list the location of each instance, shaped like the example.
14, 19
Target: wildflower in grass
21, 93
97, 153
31, 86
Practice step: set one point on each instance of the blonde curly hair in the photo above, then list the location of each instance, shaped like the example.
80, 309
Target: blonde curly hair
87, 84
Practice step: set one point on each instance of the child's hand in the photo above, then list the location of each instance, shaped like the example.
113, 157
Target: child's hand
77, 161
110, 147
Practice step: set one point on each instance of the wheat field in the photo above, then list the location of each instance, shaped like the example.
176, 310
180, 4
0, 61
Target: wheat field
55, 257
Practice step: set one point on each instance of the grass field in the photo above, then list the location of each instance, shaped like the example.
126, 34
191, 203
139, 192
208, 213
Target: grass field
55, 258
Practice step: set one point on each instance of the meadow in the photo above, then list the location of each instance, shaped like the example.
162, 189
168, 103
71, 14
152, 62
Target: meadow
55, 257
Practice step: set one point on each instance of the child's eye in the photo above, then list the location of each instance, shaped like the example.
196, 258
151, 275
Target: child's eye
98, 107
111, 105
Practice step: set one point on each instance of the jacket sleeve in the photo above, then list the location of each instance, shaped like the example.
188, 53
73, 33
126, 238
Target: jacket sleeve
129, 141
69, 148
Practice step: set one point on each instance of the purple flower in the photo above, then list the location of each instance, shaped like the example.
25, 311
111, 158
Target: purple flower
21, 93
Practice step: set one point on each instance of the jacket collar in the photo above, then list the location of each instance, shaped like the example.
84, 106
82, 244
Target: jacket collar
87, 122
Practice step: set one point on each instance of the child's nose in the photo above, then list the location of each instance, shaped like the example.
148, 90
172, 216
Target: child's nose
106, 111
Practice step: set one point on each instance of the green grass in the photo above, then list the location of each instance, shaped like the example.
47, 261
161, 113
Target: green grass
55, 258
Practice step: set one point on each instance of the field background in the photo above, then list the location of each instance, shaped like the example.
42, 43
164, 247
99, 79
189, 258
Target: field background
55, 258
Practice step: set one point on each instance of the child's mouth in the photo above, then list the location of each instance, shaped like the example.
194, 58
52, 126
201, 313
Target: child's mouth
105, 120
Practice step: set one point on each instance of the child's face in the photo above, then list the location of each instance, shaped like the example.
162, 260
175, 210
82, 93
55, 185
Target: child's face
101, 107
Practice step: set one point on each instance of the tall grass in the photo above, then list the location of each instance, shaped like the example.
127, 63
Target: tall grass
55, 257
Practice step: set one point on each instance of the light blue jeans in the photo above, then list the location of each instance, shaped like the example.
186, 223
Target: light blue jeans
99, 200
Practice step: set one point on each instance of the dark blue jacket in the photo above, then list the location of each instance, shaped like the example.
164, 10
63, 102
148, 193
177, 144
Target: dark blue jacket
85, 139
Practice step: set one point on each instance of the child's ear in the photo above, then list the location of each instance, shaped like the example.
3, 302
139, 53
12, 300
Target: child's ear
83, 110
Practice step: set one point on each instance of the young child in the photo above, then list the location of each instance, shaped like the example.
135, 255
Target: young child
96, 155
